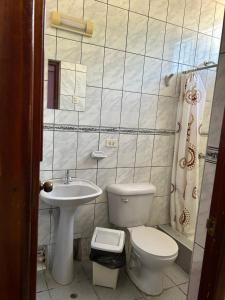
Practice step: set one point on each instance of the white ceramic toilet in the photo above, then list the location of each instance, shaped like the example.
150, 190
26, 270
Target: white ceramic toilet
152, 250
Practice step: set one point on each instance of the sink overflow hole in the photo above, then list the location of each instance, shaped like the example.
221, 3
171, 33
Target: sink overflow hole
73, 296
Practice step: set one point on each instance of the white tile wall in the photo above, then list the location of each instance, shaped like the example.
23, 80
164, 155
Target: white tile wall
188, 47
116, 31
176, 12
120, 3
96, 11
113, 69
160, 156
134, 45
148, 111
91, 115
65, 146
87, 142
111, 108
133, 72
125, 175
137, 29
161, 178
112, 153
144, 150
140, 7
152, 72
160, 210
192, 14
207, 16
155, 38
159, 9
46, 163
84, 220
127, 149
172, 43
203, 48
68, 50
142, 175
169, 68
166, 115
66, 116
92, 57
130, 110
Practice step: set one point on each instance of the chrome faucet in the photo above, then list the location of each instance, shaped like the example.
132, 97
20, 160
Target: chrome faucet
68, 179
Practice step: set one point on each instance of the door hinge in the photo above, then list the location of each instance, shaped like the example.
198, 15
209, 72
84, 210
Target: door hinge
211, 226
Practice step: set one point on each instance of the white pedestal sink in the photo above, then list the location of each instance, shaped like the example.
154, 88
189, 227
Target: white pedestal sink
67, 197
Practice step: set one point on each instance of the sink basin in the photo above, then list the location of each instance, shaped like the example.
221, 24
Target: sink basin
72, 194
67, 197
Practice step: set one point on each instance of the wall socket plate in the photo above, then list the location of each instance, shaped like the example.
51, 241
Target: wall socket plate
111, 143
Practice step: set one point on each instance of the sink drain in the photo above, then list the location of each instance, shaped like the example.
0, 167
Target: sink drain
73, 296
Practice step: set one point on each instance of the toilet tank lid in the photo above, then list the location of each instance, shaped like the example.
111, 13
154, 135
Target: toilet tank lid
131, 189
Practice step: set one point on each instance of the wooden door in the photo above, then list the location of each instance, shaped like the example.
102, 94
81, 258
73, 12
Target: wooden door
21, 56
212, 284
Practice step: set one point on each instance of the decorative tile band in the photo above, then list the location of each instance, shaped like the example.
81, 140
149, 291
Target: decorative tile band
102, 129
212, 155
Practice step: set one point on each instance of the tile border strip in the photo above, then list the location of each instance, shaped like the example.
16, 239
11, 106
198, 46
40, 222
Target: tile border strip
212, 155
102, 129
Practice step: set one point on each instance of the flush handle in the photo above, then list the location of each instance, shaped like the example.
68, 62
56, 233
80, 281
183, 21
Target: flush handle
125, 200
47, 186
211, 226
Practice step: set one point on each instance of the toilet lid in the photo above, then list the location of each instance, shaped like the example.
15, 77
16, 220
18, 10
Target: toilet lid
154, 241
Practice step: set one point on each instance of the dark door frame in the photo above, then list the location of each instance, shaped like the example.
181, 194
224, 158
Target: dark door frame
213, 270
21, 84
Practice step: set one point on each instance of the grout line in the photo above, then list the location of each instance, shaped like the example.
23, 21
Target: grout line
179, 286
179, 55
105, 168
140, 98
195, 242
53, 138
157, 106
132, 92
100, 112
102, 82
135, 53
198, 33
122, 94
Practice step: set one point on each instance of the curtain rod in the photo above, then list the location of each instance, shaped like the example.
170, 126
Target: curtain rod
200, 68
207, 65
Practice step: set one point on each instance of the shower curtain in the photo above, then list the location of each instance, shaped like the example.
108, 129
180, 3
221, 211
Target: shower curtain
185, 173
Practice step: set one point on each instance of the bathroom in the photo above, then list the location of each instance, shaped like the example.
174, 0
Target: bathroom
115, 75
128, 103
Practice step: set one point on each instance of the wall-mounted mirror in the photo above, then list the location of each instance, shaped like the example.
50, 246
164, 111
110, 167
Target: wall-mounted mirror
66, 85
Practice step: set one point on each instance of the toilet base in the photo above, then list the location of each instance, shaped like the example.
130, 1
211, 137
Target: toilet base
149, 282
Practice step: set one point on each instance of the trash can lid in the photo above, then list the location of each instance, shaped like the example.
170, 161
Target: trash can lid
106, 239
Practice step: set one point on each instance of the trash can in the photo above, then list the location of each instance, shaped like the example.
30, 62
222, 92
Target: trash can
108, 256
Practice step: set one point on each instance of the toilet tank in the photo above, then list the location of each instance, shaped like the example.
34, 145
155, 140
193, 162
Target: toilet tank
129, 204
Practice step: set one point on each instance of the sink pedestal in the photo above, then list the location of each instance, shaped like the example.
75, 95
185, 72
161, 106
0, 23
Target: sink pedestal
67, 197
63, 270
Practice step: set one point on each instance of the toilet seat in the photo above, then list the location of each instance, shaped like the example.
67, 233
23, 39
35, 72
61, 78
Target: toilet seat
154, 242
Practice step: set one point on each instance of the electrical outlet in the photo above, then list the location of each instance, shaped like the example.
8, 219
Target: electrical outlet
111, 143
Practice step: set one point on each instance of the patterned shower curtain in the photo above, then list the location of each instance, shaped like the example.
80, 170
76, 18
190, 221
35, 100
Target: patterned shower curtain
185, 174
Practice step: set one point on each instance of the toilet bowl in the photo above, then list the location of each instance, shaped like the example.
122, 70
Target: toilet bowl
152, 251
